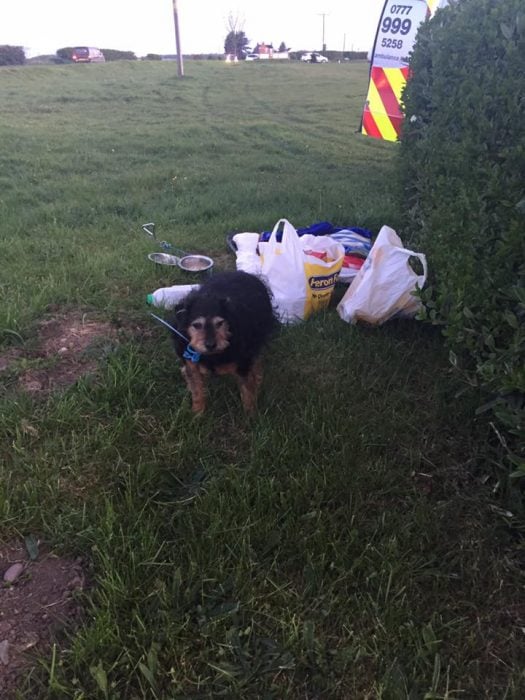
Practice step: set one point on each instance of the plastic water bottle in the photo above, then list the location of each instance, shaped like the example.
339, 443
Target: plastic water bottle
168, 297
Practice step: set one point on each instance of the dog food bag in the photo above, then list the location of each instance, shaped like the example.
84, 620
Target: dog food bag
301, 271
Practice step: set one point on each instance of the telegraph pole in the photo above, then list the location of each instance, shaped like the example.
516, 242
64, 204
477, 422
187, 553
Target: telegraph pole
180, 65
323, 15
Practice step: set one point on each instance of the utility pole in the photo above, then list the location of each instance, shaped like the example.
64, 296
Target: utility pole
180, 65
323, 15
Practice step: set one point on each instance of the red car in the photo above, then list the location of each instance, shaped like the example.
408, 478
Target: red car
87, 54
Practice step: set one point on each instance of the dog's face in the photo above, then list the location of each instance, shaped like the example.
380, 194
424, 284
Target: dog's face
209, 335
206, 325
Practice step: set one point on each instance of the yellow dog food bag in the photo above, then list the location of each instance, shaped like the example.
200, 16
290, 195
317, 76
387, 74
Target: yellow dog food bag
301, 271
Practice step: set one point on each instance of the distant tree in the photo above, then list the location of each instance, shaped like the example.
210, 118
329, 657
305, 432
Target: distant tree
235, 44
12, 55
64, 54
153, 57
236, 40
282, 47
116, 55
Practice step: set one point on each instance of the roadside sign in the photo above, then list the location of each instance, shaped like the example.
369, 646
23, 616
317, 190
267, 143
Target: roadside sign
396, 33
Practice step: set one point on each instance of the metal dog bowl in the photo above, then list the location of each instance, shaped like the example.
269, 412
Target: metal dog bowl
164, 259
195, 263
186, 261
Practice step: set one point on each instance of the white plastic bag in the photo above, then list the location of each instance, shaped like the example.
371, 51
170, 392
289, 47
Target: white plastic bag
384, 286
300, 282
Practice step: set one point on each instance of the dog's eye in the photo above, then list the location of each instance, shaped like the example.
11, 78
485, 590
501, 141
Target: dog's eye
219, 324
197, 325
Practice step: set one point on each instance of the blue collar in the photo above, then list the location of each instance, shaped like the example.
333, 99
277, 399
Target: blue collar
189, 353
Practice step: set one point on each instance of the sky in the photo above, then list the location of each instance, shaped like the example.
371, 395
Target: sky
146, 26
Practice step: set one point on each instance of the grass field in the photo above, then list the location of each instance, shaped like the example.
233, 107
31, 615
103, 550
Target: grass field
348, 541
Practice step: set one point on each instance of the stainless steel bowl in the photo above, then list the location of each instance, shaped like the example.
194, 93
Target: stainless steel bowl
195, 263
164, 259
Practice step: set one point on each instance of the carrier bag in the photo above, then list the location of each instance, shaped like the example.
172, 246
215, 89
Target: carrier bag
384, 287
301, 271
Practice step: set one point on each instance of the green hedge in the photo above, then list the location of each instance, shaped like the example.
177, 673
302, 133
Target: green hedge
462, 159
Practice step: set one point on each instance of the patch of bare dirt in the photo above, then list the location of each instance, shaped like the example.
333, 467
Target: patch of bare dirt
37, 599
62, 343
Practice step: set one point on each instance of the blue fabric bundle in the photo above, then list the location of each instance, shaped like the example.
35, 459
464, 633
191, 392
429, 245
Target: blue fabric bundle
356, 241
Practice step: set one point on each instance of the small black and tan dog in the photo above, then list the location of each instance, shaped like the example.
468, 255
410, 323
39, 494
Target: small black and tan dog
227, 321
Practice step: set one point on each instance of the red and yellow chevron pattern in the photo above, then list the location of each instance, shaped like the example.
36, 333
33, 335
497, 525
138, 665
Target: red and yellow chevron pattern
382, 116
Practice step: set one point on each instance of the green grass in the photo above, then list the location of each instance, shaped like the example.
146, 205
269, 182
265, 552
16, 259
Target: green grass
299, 554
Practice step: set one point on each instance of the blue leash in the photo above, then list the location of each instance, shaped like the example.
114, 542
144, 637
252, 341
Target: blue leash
189, 353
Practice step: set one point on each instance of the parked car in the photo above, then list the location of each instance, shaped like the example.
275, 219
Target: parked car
252, 57
313, 57
87, 54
